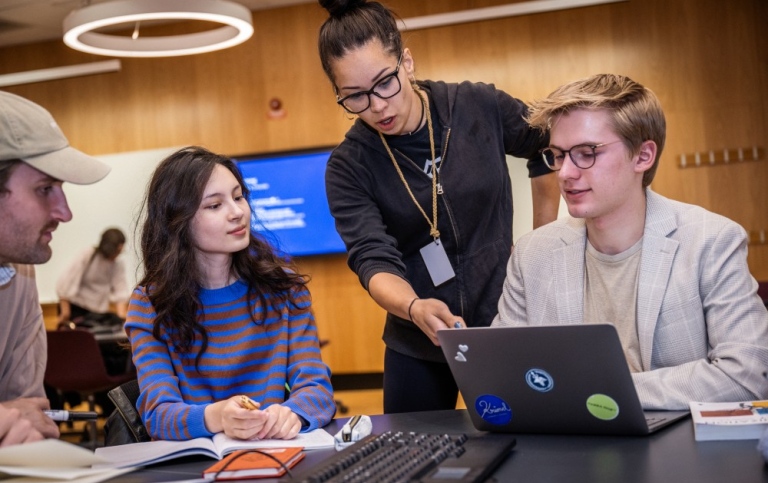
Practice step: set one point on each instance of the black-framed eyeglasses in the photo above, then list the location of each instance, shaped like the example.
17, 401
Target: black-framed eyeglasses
582, 155
386, 87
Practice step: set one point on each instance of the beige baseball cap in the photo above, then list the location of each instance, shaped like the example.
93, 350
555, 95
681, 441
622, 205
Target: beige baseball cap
28, 132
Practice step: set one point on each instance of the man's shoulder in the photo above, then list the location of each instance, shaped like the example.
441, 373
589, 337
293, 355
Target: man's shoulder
566, 226
559, 233
19, 299
688, 216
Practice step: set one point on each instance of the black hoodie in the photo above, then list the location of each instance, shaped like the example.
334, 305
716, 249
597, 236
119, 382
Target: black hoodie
384, 231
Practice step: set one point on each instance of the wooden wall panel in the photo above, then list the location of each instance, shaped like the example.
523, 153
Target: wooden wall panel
346, 316
706, 59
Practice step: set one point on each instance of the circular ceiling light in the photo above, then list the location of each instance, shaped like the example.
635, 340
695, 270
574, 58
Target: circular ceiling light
80, 24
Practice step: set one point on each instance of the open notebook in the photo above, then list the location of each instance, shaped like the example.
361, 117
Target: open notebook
570, 379
141, 454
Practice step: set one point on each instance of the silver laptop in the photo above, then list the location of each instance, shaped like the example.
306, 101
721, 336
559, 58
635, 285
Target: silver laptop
570, 379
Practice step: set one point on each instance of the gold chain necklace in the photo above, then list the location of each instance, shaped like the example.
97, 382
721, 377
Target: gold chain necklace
432, 223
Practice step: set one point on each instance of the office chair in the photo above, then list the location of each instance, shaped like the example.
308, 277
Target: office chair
75, 364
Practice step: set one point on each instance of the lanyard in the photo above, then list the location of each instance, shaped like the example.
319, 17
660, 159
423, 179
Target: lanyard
433, 231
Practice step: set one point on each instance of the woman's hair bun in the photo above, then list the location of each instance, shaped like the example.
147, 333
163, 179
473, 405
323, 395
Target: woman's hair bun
337, 8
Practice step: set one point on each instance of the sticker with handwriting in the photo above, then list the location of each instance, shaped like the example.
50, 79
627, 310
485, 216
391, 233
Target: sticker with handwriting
493, 409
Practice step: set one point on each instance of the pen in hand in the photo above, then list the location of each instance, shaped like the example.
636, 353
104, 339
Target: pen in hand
63, 415
249, 403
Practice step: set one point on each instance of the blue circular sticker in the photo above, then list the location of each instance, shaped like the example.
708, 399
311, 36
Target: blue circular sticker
539, 380
493, 410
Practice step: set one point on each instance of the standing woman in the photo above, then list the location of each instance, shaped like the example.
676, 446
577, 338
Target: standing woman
421, 195
218, 315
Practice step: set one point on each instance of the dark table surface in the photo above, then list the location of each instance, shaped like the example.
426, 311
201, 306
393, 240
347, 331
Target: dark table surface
670, 455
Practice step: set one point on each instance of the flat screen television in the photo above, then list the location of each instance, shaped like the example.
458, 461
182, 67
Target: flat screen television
288, 203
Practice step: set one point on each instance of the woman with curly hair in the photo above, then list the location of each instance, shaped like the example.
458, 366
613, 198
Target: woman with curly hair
218, 315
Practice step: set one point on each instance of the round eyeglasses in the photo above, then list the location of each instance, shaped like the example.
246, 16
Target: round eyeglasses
582, 155
386, 87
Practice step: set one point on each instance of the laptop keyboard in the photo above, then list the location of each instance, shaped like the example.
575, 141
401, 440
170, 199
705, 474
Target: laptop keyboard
403, 457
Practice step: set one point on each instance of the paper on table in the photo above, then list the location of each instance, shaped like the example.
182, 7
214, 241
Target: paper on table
729, 420
139, 454
52, 460
48, 452
60, 474
316, 439
150, 452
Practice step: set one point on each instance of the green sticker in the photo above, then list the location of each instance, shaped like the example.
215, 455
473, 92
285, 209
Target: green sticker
602, 407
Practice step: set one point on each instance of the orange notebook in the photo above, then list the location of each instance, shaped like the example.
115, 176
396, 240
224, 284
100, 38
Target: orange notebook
245, 464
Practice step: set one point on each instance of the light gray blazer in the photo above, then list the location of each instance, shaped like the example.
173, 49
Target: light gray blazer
703, 330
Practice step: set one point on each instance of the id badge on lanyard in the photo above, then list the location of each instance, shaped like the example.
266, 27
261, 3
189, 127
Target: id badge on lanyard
436, 260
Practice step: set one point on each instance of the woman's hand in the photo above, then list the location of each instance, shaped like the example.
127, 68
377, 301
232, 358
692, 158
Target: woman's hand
229, 417
282, 423
396, 296
232, 419
431, 315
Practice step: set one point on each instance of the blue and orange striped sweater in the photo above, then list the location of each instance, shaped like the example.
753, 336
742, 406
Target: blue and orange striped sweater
242, 358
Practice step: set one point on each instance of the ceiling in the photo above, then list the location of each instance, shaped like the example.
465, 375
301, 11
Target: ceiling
30, 21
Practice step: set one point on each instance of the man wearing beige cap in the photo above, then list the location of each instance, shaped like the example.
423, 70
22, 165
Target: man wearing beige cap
35, 159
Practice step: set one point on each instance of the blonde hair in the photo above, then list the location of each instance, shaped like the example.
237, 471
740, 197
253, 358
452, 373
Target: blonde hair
636, 113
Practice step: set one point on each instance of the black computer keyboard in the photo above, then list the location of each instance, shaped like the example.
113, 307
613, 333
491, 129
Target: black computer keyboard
413, 457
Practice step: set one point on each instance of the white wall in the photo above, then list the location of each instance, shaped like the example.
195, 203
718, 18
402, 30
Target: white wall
115, 202
522, 221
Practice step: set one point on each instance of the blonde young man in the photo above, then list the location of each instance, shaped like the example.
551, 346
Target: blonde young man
35, 159
672, 277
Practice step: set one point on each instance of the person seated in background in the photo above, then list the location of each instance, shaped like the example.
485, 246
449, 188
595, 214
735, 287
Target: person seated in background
95, 279
672, 277
218, 315
35, 159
